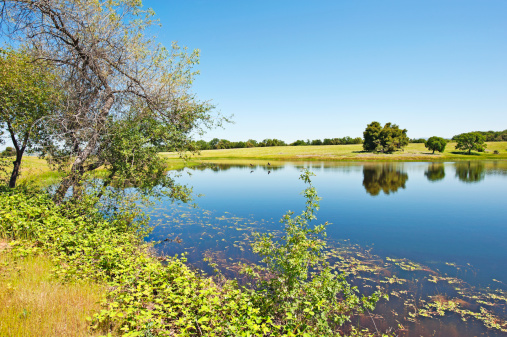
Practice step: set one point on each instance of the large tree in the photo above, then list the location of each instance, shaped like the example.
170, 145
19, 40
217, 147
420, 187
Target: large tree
112, 72
384, 139
29, 96
470, 141
436, 144
371, 135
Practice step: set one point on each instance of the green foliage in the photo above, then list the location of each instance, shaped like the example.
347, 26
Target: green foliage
385, 140
297, 287
299, 142
145, 297
342, 141
29, 95
8, 152
131, 156
271, 142
470, 141
216, 143
112, 72
371, 135
491, 136
436, 144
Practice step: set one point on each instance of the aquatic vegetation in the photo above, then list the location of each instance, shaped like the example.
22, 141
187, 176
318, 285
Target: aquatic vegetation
294, 284
410, 284
413, 297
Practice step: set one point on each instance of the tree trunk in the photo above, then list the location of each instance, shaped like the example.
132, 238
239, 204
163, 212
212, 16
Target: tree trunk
19, 155
77, 171
15, 170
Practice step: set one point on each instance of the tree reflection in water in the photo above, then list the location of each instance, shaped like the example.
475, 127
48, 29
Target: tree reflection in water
384, 177
435, 172
470, 172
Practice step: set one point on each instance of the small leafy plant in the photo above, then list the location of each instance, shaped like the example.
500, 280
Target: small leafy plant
296, 286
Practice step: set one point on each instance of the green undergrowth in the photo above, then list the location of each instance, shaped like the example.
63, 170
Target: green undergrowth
145, 296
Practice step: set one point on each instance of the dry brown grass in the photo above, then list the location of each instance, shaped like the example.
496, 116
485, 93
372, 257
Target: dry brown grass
35, 304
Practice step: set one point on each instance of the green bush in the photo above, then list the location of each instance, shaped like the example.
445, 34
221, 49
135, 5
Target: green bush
297, 287
145, 296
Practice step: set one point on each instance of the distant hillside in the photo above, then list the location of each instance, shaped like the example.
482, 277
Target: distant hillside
492, 136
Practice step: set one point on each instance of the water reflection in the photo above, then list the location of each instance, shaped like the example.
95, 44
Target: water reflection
470, 172
385, 177
216, 167
435, 172
425, 260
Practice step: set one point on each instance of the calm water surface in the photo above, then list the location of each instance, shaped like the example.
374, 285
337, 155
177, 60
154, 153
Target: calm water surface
449, 217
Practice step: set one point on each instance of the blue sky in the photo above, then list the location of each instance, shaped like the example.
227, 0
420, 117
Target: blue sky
322, 69
291, 69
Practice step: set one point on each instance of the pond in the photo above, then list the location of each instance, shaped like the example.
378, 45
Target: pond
432, 235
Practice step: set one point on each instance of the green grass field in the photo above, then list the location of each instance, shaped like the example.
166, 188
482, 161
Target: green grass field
413, 152
33, 171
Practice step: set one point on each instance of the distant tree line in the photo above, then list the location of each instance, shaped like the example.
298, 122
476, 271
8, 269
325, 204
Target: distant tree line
216, 143
386, 139
490, 136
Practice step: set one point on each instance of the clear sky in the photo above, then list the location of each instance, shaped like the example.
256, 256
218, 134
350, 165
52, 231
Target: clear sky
292, 69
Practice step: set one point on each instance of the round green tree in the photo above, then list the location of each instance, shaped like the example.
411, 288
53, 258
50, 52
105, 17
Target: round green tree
470, 141
371, 135
385, 139
436, 144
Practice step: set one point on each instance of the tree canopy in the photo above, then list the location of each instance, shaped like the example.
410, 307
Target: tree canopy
385, 139
29, 97
491, 136
470, 141
436, 144
112, 73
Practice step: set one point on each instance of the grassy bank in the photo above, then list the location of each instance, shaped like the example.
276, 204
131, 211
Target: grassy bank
144, 296
413, 152
37, 172
34, 303
34, 171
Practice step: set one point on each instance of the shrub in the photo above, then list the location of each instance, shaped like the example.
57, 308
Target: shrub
297, 287
145, 297
436, 144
